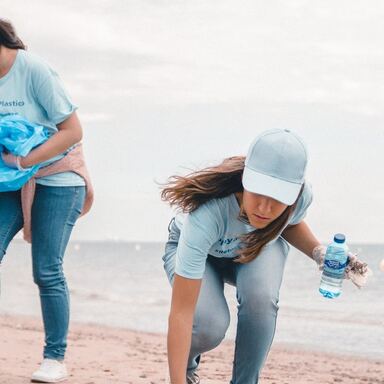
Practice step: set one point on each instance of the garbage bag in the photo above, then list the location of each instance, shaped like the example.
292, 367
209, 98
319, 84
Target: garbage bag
18, 136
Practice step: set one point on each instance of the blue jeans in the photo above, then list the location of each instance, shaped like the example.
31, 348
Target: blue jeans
257, 291
54, 213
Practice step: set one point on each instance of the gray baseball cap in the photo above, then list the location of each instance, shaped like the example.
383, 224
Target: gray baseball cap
275, 165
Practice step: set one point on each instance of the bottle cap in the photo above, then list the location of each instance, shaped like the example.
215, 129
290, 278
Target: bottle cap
339, 238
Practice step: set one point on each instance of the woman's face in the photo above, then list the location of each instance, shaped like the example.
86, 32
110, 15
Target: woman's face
261, 210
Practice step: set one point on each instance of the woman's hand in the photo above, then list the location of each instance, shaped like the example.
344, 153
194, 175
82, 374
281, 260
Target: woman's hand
9, 160
15, 162
356, 270
318, 254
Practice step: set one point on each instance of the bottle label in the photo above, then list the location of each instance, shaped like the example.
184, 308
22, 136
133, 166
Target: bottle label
334, 264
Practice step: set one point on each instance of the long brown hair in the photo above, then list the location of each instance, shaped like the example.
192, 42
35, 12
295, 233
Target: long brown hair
193, 190
8, 36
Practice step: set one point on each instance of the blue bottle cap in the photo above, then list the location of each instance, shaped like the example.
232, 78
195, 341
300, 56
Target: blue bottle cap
339, 238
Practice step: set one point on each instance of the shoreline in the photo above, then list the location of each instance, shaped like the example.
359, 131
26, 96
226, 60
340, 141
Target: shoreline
100, 355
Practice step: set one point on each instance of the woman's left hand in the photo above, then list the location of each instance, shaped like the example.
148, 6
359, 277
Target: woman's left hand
356, 270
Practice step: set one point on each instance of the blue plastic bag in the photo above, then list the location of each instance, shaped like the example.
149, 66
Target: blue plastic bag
18, 136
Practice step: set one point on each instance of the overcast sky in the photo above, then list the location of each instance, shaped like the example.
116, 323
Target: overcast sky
163, 86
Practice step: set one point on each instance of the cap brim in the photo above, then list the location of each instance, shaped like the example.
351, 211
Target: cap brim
280, 190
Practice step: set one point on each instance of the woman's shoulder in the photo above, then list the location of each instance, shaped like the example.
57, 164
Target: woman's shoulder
305, 200
32, 60
216, 206
42, 76
36, 66
212, 212
307, 195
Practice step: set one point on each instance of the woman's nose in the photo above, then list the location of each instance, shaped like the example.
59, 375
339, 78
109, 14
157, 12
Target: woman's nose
265, 205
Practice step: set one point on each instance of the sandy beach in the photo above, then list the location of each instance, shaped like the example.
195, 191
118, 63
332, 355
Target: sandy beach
98, 355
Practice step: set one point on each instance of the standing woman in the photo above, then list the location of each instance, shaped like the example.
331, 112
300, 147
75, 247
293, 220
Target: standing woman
58, 193
239, 218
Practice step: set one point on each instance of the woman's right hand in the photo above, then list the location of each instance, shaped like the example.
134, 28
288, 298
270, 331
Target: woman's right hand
13, 161
185, 293
9, 160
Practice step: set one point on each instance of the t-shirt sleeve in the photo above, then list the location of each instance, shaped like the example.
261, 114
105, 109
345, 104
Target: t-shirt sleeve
302, 206
50, 93
200, 231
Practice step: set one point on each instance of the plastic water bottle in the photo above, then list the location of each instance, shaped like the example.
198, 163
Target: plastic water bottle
335, 262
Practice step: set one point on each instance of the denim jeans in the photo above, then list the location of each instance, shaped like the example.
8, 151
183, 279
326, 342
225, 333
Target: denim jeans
54, 213
257, 291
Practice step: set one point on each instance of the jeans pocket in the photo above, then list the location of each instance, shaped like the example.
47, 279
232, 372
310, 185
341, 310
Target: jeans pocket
169, 259
78, 196
169, 256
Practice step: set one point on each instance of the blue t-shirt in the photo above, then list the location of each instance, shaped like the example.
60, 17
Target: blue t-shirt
215, 229
34, 91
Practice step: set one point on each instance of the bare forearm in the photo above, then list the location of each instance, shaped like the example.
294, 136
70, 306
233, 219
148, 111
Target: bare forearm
69, 133
184, 297
301, 237
179, 343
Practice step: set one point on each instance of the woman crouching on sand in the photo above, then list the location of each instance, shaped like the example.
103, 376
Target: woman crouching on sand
238, 220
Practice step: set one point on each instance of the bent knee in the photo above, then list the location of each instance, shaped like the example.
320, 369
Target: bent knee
258, 301
208, 332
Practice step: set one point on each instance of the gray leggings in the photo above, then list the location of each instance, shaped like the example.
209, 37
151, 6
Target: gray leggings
257, 291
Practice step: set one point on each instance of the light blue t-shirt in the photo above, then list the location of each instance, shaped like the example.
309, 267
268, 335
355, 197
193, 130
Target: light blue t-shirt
34, 91
215, 229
